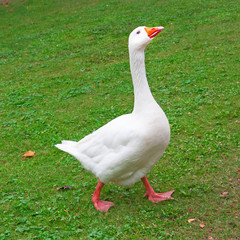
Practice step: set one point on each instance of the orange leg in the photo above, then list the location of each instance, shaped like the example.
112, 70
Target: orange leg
155, 197
100, 205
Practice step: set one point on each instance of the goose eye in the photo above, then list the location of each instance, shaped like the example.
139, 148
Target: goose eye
138, 32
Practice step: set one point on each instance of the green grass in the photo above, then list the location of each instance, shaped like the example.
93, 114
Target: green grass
65, 72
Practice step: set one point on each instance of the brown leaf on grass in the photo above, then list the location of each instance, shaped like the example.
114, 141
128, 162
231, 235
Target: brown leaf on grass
224, 193
29, 154
202, 225
191, 220
63, 188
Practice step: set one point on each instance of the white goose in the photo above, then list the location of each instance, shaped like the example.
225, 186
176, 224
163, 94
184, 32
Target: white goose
125, 149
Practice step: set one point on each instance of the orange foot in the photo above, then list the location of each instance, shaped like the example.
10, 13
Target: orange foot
159, 197
102, 206
155, 197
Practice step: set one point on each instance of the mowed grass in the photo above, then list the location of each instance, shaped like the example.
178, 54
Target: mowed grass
65, 72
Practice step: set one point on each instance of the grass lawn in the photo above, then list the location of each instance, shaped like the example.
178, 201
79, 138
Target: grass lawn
65, 72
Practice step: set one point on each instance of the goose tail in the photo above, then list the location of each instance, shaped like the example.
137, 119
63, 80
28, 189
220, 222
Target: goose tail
68, 146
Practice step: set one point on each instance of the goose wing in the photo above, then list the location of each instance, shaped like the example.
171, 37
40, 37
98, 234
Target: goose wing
110, 151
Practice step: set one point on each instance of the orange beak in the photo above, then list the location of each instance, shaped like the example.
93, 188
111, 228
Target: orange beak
152, 32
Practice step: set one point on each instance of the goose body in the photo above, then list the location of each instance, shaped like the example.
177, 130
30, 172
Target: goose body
125, 149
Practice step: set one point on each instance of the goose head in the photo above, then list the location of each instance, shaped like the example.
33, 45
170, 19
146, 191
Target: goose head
142, 36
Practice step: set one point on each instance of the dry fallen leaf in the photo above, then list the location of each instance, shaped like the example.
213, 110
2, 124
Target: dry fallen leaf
191, 220
202, 225
63, 188
224, 193
29, 154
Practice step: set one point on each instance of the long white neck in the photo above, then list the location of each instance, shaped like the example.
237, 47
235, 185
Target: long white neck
142, 95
